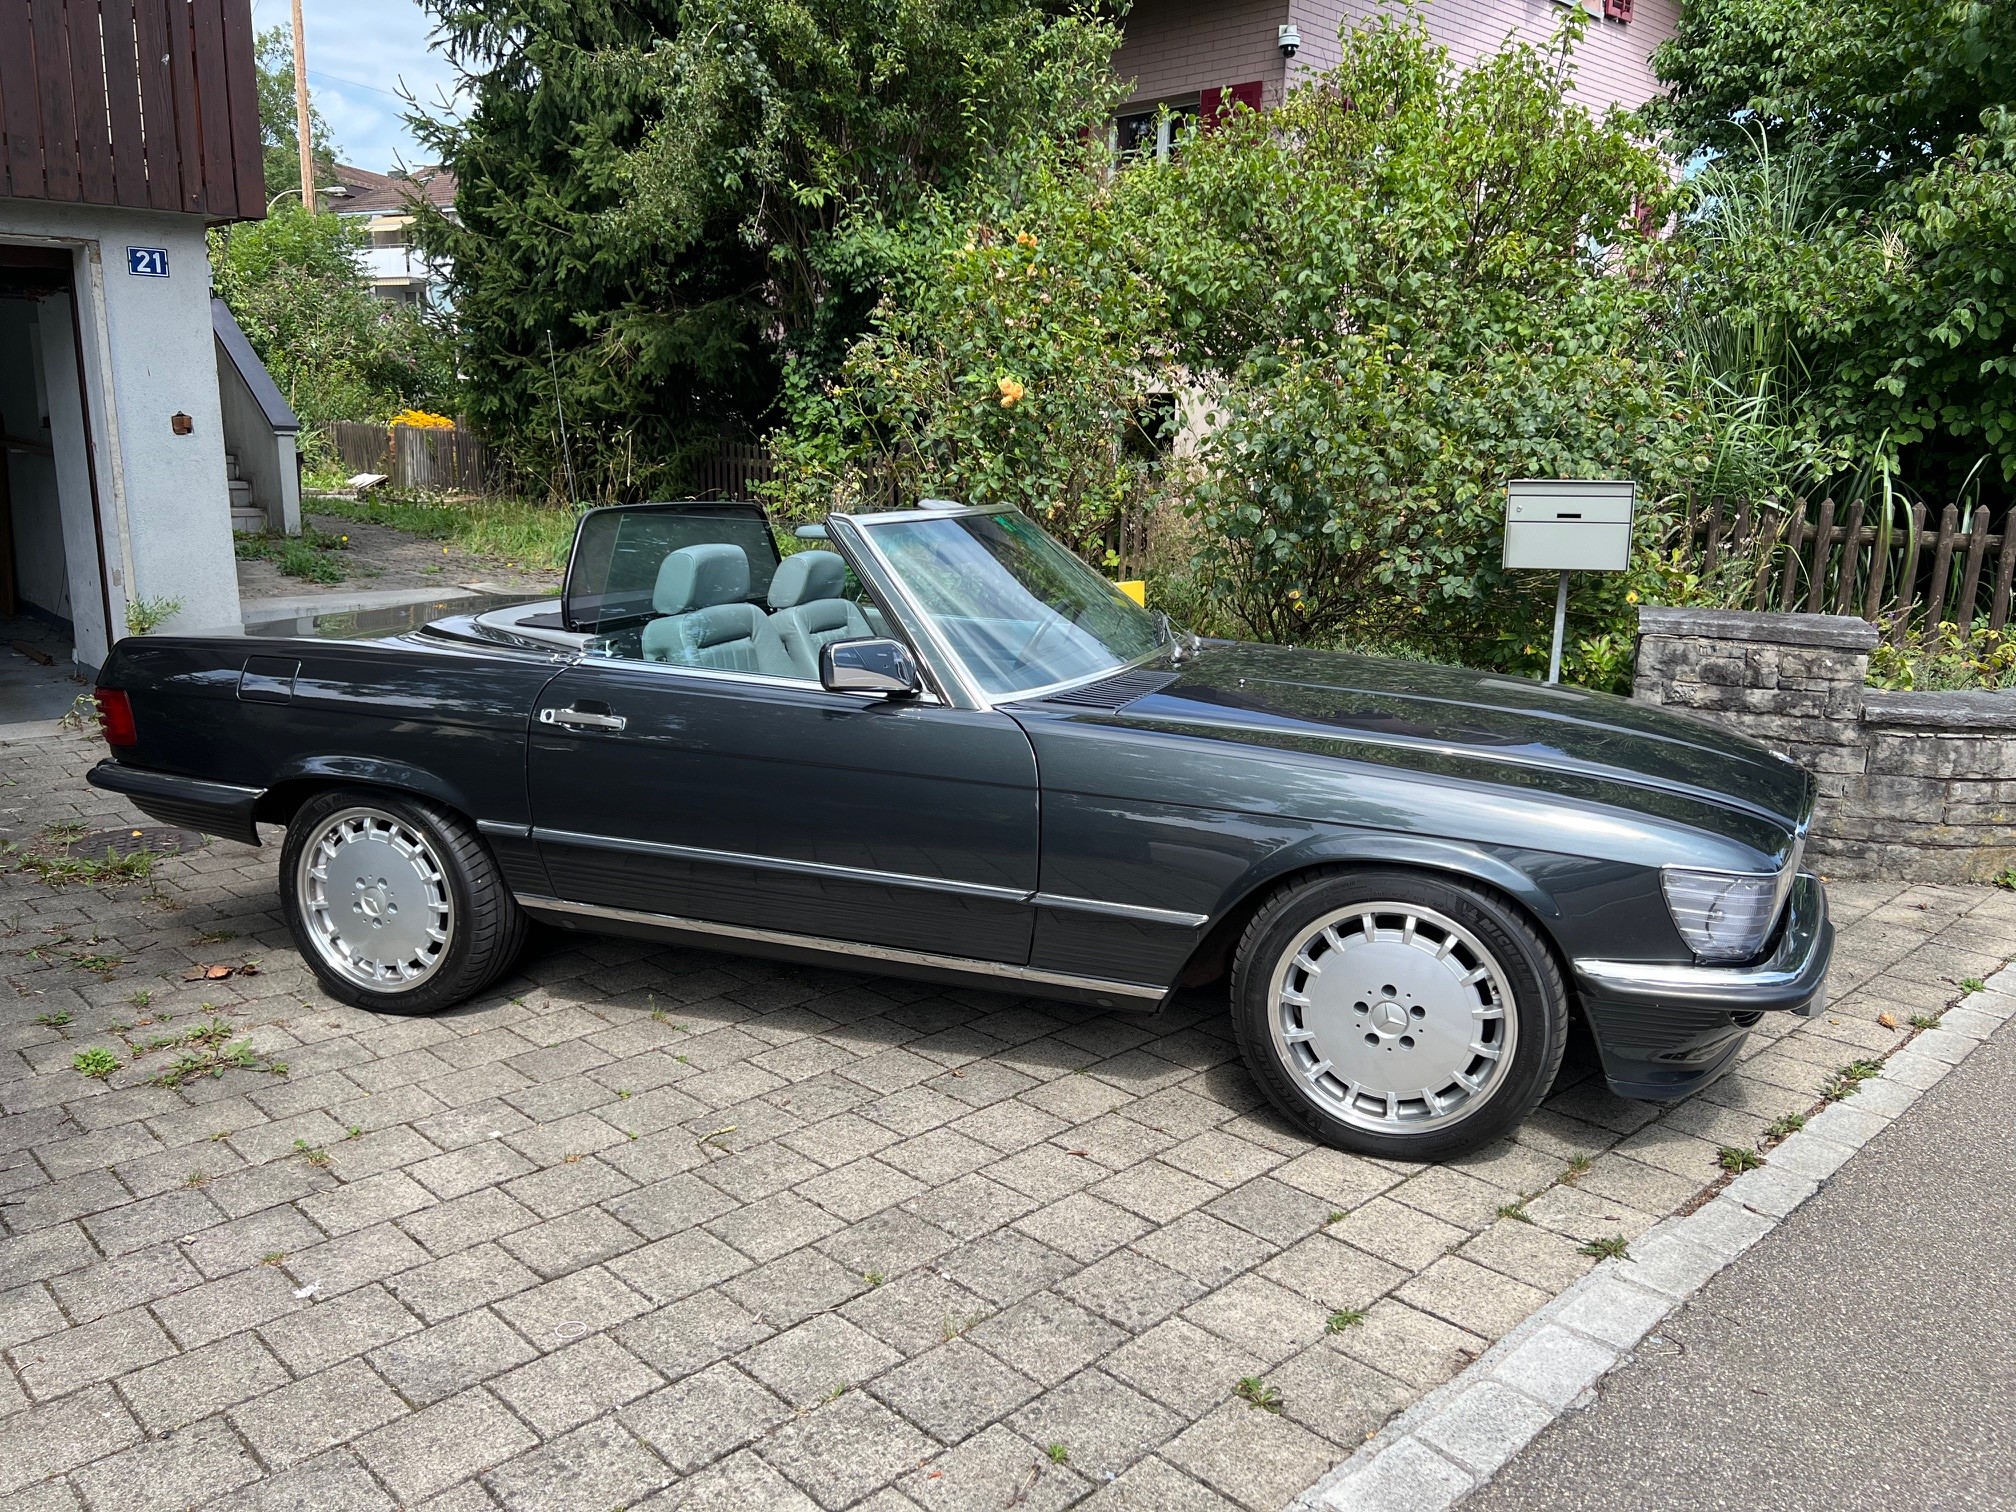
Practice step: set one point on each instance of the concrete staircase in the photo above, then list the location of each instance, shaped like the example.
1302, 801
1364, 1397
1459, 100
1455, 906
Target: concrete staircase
247, 518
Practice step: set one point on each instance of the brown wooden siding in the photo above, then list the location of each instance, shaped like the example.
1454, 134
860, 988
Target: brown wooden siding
148, 104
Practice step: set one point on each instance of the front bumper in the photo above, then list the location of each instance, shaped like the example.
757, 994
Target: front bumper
1665, 1030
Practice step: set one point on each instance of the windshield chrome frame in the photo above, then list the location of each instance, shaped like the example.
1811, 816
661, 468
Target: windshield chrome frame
862, 529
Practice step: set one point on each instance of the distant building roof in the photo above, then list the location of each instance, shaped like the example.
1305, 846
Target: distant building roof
376, 193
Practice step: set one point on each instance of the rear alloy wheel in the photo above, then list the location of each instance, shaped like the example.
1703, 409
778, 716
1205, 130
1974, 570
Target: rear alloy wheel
395, 904
1397, 1015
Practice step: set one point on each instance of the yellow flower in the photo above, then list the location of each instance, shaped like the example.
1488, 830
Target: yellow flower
1011, 393
1631, 597
1024, 239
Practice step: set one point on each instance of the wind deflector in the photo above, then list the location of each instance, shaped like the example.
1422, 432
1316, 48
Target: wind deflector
613, 569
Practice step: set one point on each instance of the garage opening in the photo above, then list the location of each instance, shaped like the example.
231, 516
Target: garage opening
51, 573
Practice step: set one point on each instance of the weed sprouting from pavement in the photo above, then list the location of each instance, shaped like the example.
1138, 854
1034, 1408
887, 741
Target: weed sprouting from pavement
1738, 1158
1343, 1318
1844, 1082
1785, 1126
1611, 1248
96, 1061
1257, 1393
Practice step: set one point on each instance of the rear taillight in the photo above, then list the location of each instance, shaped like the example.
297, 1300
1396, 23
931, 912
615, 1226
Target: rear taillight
115, 717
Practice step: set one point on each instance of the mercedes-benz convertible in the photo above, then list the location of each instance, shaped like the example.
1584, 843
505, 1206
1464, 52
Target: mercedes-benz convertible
932, 742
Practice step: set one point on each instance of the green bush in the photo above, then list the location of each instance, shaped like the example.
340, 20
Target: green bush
1945, 656
295, 283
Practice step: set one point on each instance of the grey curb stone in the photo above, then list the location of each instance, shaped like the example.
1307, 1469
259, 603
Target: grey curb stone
1969, 1021
1815, 1159
1555, 1366
1458, 1436
1408, 1478
1944, 1044
1776, 1192
1998, 1003
1846, 1126
1913, 1070
1486, 1426
1885, 1098
1612, 1311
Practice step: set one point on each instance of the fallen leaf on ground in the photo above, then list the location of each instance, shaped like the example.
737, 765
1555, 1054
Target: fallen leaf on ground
1887, 1020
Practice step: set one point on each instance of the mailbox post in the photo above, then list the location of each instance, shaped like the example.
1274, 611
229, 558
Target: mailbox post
1568, 525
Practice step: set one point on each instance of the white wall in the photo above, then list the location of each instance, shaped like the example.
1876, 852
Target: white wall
1174, 48
149, 355
1612, 66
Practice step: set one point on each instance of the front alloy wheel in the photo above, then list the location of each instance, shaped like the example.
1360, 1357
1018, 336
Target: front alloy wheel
1398, 1015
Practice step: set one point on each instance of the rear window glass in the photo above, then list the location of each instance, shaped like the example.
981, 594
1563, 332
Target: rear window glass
617, 554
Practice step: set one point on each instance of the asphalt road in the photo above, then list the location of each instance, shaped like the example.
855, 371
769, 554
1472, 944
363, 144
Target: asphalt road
1862, 1355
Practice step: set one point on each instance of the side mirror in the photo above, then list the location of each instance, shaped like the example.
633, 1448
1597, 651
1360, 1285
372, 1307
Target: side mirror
869, 666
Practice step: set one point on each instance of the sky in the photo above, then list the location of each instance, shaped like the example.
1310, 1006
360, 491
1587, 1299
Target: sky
360, 55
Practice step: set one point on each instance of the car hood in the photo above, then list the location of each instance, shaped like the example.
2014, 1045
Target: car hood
1475, 724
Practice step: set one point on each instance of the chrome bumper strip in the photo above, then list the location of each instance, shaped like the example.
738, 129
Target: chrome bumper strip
1137, 911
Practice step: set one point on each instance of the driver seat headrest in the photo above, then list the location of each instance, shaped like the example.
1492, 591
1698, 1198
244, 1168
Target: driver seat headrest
699, 577
806, 577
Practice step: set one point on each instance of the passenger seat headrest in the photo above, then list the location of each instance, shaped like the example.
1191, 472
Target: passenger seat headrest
699, 577
807, 577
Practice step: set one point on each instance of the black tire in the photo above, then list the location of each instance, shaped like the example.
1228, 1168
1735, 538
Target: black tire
1537, 1012
485, 930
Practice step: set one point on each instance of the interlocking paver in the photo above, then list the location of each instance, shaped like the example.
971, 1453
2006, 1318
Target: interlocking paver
615, 1233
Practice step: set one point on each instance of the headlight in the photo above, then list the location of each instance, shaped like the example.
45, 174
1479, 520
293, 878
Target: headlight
1725, 916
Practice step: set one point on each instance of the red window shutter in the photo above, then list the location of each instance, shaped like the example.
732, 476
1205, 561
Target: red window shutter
1210, 105
1617, 10
1249, 94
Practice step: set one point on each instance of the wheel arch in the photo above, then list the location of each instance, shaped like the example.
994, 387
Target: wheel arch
299, 781
1447, 861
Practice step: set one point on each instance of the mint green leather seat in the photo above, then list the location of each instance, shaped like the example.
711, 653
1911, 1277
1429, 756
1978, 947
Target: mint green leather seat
806, 612
702, 592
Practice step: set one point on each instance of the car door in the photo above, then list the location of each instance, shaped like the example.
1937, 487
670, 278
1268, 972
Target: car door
731, 796
758, 802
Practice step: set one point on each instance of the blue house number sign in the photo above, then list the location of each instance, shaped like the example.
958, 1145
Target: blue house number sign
147, 262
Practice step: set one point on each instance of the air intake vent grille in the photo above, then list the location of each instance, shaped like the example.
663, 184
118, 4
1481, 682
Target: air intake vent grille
1115, 692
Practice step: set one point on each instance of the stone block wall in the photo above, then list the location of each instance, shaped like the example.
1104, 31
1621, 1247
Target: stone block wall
1914, 786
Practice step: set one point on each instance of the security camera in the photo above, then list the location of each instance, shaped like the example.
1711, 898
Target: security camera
1288, 39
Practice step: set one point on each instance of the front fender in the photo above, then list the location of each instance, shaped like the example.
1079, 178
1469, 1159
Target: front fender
1458, 859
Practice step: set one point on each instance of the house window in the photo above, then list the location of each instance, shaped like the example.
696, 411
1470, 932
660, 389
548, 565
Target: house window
1156, 133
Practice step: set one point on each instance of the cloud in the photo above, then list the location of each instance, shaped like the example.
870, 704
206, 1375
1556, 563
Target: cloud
362, 56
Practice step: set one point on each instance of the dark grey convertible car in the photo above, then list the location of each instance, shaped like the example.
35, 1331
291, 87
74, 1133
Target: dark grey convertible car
934, 743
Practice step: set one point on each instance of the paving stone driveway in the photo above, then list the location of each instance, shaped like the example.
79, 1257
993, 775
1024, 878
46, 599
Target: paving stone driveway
652, 1227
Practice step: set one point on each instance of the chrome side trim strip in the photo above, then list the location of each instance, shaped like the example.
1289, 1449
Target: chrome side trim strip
1138, 911
1001, 969
504, 831
778, 864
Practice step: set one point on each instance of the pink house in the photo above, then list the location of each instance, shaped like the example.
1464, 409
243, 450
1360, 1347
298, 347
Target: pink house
1193, 54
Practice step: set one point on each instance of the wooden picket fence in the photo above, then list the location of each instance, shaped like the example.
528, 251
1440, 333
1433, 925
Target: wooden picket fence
415, 456
1822, 559
734, 471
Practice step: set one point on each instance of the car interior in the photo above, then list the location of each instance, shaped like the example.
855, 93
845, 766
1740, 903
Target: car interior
704, 617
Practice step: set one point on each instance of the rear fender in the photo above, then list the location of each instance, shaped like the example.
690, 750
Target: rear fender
298, 778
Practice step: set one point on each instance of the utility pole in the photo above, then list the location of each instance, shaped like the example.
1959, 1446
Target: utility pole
301, 112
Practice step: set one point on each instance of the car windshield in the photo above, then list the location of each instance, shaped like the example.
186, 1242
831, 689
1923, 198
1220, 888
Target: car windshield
1019, 610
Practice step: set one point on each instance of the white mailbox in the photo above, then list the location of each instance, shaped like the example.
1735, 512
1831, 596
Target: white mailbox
1569, 525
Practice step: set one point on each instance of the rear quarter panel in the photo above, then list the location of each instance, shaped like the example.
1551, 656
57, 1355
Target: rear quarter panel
443, 720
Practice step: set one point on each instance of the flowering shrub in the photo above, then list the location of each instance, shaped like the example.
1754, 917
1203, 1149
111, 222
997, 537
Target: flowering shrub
419, 419
1945, 656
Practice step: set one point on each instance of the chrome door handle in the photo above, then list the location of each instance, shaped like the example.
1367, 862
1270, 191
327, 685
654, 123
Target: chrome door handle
582, 719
